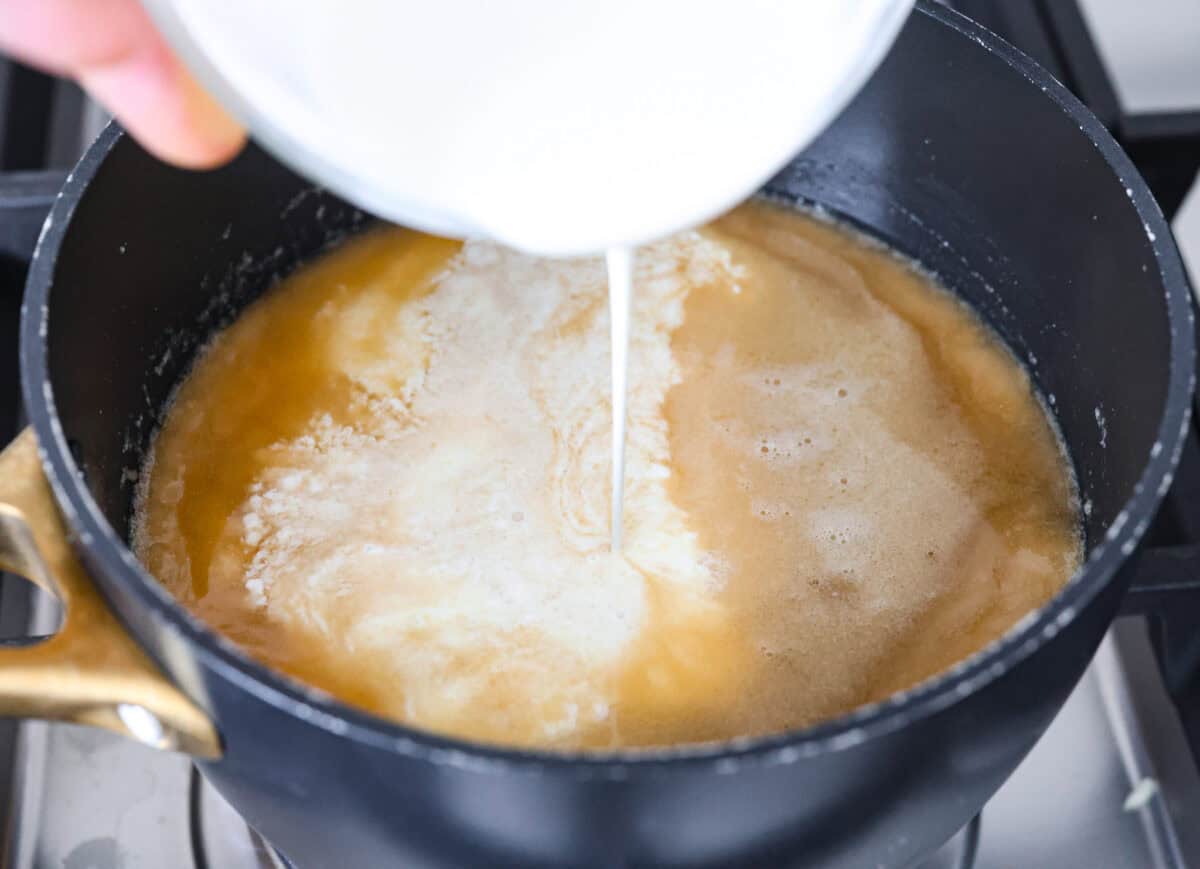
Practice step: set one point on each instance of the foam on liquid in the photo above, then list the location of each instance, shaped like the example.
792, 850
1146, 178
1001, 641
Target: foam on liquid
387, 478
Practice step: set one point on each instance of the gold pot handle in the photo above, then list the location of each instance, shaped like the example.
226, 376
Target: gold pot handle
91, 671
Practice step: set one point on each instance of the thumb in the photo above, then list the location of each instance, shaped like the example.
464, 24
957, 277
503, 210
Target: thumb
113, 49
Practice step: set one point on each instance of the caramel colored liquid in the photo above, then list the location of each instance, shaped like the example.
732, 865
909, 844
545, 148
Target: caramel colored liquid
390, 479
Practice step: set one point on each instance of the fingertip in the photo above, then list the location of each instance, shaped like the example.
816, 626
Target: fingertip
208, 154
198, 150
211, 137
162, 106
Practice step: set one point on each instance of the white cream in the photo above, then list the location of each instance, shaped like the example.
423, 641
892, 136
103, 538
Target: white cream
553, 127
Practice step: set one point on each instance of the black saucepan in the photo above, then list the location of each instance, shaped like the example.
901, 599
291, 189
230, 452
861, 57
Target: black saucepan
959, 152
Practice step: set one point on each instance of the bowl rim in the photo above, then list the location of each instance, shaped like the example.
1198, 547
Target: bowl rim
108, 553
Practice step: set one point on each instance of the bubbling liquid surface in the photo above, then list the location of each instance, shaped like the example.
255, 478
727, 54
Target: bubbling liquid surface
389, 478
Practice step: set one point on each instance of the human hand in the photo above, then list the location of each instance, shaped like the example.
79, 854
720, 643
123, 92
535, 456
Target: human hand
113, 50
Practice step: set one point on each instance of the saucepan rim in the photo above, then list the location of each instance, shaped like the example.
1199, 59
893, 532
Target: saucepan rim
108, 551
